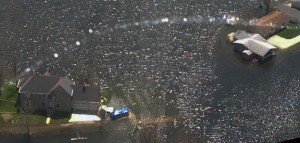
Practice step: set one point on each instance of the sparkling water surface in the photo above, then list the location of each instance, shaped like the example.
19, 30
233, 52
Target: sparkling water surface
171, 59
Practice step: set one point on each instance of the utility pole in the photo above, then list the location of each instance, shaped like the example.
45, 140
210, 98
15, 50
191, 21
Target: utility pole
28, 136
27, 126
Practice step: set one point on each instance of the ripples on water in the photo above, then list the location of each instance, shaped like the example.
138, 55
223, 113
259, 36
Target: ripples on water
161, 52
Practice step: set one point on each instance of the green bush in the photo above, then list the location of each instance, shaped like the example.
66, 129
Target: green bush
9, 92
105, 95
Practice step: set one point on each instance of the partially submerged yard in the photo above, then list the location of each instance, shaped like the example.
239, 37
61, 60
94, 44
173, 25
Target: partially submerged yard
8, 110
286, 38
10, 116
290, 32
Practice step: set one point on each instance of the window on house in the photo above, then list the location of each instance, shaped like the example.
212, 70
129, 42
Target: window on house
57, 105
43, 104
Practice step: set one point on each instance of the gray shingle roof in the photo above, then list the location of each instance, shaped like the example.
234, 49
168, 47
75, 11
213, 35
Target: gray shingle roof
40, 84
240, 34
256, 44
23, 81
44, 84
296, 4
292, 12
89, 94
66, 84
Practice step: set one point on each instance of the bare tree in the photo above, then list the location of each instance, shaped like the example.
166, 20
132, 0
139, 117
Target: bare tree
266, 3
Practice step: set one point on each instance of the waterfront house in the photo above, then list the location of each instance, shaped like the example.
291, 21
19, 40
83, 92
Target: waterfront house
254, 48
269, 24
295, 4
45, 93
276, 20
85, 99
292, 13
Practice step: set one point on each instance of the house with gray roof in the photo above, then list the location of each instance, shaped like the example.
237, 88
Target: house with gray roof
291, 12
254, 47
276, 20
45, 93
85, 99
295, 4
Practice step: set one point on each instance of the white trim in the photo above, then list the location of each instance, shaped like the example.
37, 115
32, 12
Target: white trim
18, 83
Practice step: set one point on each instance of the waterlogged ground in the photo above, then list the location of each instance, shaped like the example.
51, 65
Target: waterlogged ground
169, 58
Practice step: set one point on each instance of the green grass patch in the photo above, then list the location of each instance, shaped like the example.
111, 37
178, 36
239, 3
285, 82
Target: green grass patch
22, 119
6, 106
291, 32
37, 120
9, 92
31, 119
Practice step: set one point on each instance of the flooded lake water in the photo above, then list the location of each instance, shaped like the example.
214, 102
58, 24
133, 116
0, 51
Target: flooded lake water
171, 59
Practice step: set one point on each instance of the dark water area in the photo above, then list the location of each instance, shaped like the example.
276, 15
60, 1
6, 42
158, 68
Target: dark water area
14, 139
171, 58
